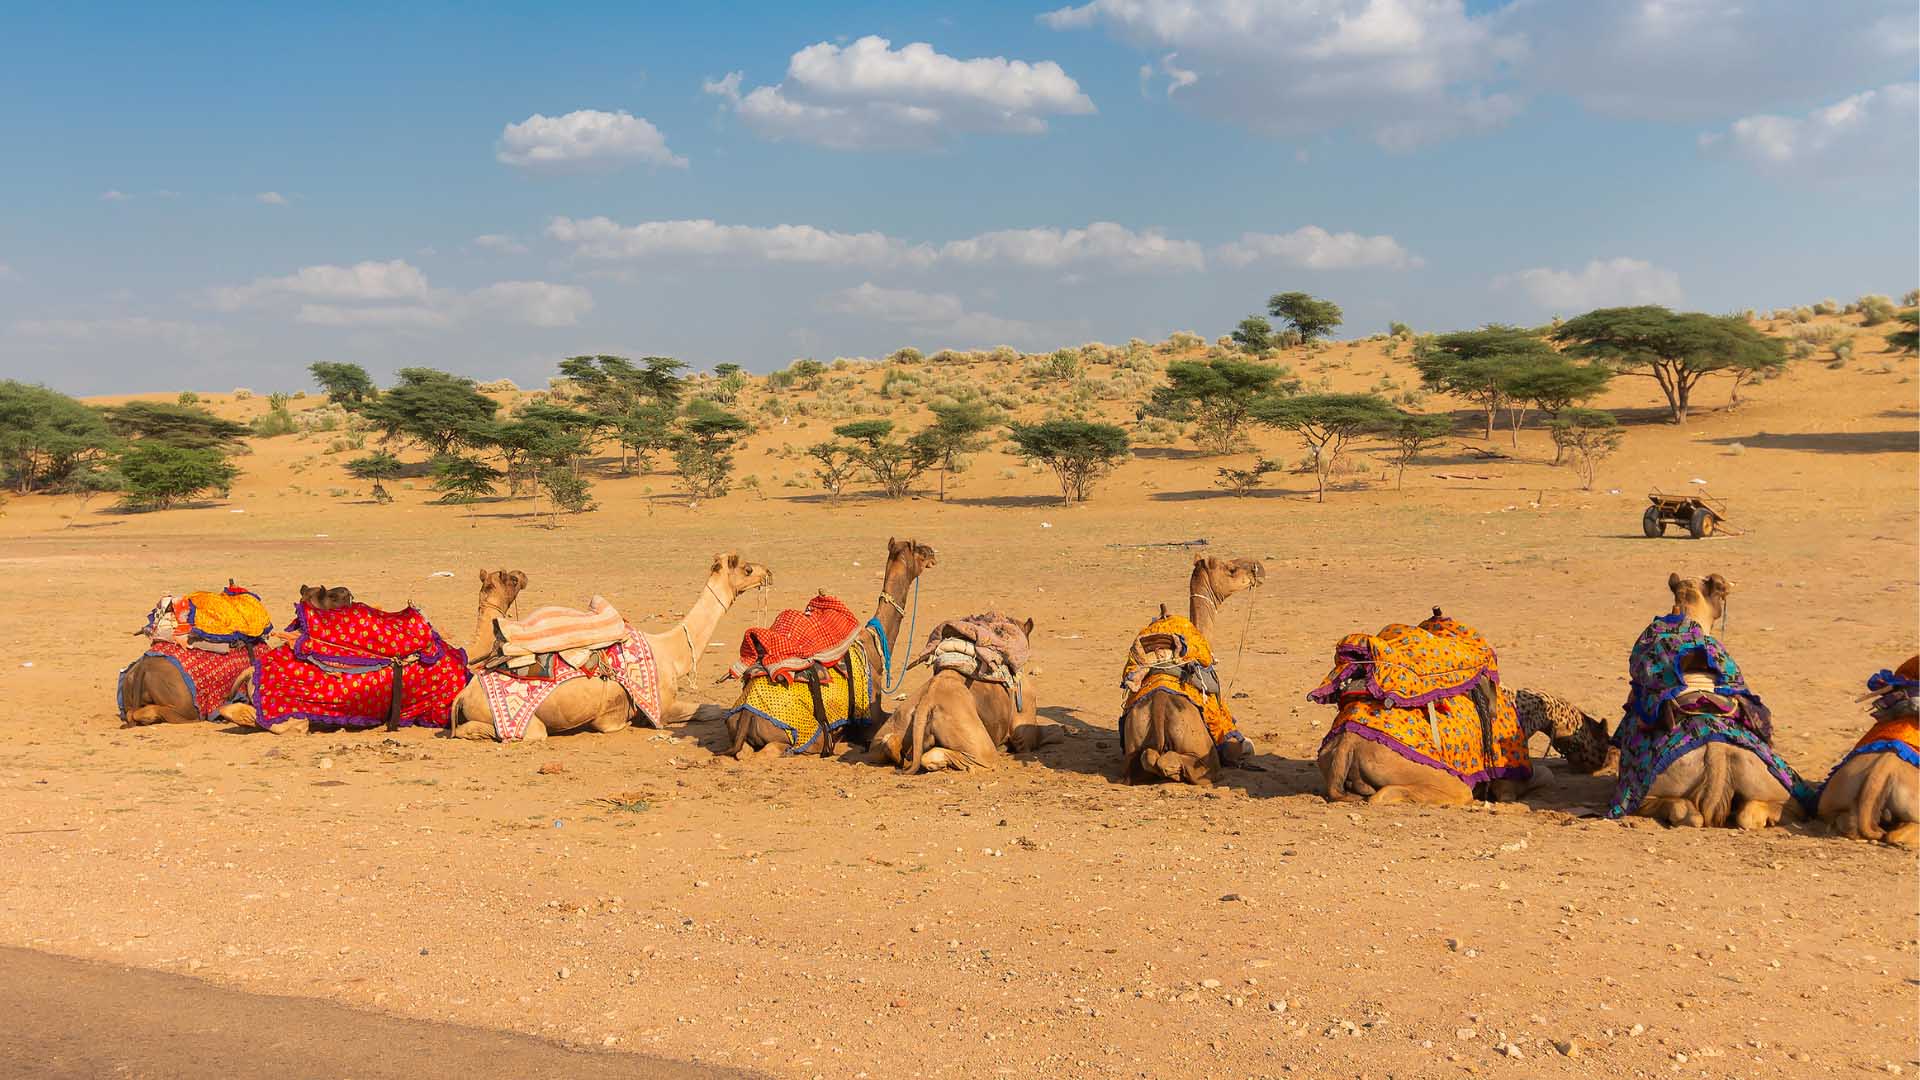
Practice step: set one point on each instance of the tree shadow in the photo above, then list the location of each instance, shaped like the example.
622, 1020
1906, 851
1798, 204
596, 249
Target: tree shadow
1009, 501
1831, 442
1172, 453
1203, 494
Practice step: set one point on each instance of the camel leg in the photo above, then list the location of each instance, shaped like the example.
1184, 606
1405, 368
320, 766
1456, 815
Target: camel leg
536, 729
1673, 812
1423, 794
961, 736
239, 714
1758, 815
1906, 836
477, 730
160, 714
678, 712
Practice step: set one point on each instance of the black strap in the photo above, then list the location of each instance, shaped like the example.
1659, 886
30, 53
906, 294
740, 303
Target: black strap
822, 730
393, 703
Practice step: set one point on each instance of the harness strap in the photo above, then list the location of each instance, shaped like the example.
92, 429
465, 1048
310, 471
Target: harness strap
821, 729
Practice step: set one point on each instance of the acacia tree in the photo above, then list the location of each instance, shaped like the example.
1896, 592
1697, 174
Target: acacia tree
160, 474
634, 401
437, 410
1254, 335
46, 436
703, 448
1412, 434
958, 429
892, 464
1551, 384
186, 426
463, 481
1326, 423
1218, 395
1079, 452
1308, 316
1586, 436
1480, 366
835, 468
1676, 350
347, 385
379, 467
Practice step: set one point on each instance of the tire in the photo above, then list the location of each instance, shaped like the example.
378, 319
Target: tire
1651, 524
1700, 525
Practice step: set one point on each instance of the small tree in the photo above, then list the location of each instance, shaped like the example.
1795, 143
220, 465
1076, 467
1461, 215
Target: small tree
1480, 366
566, 489
1551, 383
45, 436
378, 467
1241, 483
703, 448
463, 481
160, 475
1412, 435
1254, 335
1585, 437
88, 482
347, 385
808, 373
1063, 365
1908, 339
1218, 396
1079, 452
837, 465
1674, 350
1326, 423
1308, 316
643, 431
958, 430
893, 465
437, 410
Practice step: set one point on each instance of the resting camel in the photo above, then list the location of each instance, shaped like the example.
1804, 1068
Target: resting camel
601, 704
957, 721
906, 561
1164, 736
1696, 744
152, 691
1874, 793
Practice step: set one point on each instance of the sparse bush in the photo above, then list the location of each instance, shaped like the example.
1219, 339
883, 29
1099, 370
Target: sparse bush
703, 448
566, 490
1585, 437
1400, 330
908, 355
378, 467
1827, 307
1802, 314
1241, 483
188, 397
241, 393
1911, 298
1875, 309
1061, 366
1182, 341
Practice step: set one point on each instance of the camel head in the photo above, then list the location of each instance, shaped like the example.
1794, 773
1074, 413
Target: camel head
1224, 577
321, 598
740, 574
499, 588
912, 557
1705, 602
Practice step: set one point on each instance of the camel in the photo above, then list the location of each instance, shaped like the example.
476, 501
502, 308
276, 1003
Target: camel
906, 561
1355, 767
1874, 793
1711, 782
152, 691
1164, 736
957, 721
601, 704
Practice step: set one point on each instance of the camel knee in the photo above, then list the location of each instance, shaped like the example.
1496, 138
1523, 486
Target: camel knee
295, 726
1906, 836
1758, 815
477, 730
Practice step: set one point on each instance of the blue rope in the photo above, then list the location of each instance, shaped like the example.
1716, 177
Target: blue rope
891, 682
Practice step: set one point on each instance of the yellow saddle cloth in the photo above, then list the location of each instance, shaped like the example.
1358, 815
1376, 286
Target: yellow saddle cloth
1174, 640
230, 615
790, 707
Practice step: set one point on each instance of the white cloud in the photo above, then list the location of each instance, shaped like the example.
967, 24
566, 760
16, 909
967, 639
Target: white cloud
1406, 72
1102, 243
940, 314
1601, 283
1703, 60
271, 198
584, 140
602, 238
395, 279
1314, 248
868, 94
1867, 132
505, 245
396, 294
114, 195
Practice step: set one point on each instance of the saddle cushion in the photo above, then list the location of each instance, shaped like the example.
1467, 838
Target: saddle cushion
1171, 656
789, 705
231, 616
1651, 737
209, 676
513, 700
563, 630
996, 641
821, 633
1412, 689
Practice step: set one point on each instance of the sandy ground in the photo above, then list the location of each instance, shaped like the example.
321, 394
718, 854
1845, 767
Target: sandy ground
822, 918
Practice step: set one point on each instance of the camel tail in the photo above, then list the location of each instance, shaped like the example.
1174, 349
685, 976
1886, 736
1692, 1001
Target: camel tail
914, 743
1714, 793
738, 723
1338, 769
1869, 806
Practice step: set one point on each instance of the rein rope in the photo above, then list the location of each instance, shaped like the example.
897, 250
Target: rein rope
889, 682
1240, 654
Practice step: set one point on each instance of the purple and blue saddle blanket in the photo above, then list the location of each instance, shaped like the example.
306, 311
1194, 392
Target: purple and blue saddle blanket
1652, 736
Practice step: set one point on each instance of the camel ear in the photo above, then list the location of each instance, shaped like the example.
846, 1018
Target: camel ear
483, 579
1717, 586
1028, 627
1674, 581
1163, 611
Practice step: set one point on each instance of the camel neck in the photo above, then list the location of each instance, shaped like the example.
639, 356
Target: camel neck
894, 587
1202, 603
481, 645
703, 618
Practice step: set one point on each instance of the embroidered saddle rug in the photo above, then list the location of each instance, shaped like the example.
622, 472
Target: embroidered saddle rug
1430, 693
1675, 661
233, 616
819, 634
819, 695
341, 667
1171, 656
513, 699
210, 676
570, 633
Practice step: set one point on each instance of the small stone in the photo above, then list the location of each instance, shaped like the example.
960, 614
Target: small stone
1567, 1047
1511, 1051
1210, 984
326, 763
1463, 1034
1230, 898
1276, 1006
1637, 1029
700, 884
1679, 1057
563, 973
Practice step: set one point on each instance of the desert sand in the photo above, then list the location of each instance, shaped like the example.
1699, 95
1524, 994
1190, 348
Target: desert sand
633, 892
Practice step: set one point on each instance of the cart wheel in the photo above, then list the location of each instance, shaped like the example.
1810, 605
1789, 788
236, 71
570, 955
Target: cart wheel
1701, 524
1651, 524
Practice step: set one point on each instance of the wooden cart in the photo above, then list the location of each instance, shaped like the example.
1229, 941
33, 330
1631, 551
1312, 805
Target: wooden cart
1701, 515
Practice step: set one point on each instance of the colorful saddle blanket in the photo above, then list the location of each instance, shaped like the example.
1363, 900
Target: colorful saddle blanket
1430, 693
1171, 656
1896, 728
209, 676
846, 691
231, 616
339, 671
567, 632
821, 633
514, 699
1719, 707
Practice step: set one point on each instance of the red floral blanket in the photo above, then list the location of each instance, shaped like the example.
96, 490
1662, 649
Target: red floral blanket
340, 669
352, 635
209, 676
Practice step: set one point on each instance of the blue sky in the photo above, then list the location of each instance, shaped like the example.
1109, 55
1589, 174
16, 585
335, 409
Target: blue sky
218, 195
